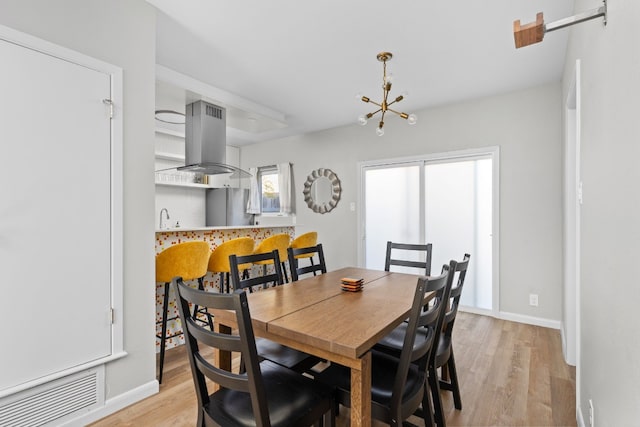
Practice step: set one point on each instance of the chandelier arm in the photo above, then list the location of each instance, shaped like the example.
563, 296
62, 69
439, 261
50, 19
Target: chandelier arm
392, 102
375, 103
375, 112
397, 112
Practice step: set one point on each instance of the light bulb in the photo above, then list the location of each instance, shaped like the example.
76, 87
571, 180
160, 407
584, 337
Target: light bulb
362, 120
412, 119
388, 78
379, 131
358, 96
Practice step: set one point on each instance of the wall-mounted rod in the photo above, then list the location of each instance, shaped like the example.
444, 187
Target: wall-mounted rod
576, 19
534, 32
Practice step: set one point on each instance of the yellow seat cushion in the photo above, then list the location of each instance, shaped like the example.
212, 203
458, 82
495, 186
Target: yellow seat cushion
219, 260
305, 240
277, 241
188, 260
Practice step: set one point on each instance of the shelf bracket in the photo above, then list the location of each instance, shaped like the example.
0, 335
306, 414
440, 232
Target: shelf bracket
534, 32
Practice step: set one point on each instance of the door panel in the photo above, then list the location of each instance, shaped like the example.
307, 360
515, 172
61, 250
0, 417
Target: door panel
458, 221
55, 216
392, 210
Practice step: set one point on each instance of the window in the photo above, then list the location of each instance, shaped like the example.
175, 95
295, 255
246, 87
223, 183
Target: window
269, 190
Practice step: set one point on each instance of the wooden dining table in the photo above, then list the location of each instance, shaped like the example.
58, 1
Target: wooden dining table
316, 316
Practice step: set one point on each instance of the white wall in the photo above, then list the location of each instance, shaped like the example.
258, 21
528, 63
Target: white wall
609, 370
120, 32
527, 127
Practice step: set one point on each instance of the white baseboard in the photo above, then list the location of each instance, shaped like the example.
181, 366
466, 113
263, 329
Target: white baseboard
530, 320
117, 403
514, 317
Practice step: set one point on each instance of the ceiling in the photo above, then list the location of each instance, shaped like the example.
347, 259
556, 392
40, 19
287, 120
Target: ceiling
288, 67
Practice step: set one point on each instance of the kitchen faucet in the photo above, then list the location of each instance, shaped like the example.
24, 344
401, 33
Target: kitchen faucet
165, 211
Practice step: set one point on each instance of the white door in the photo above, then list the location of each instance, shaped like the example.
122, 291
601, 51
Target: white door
55, 215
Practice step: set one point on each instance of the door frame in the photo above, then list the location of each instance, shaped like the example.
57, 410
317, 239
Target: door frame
494, 153
571, 325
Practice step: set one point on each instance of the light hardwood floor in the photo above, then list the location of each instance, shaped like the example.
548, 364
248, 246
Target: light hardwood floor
511, 374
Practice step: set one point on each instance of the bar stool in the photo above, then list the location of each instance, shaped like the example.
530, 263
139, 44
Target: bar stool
279, 242
306, 240
187, 260
219, 259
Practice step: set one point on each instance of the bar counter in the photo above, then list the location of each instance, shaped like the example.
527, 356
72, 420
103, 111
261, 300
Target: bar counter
214, 236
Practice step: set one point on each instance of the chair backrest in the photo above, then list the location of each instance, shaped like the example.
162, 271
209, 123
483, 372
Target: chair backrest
198, 337
454, 296
419, 352
317, 266
269, 257
305, 240
219, 260
426, 264
188, 260
277, 241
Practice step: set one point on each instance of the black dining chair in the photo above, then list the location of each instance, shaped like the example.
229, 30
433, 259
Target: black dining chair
267, 349
311, 252
266, 394
443, 352
267, 278
399, 384
391, 259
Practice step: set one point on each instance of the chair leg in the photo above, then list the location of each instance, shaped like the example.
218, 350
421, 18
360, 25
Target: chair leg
455, 388
329, 418
427, 409
434, 385
312, 264
163, 336
200, 422
196, 308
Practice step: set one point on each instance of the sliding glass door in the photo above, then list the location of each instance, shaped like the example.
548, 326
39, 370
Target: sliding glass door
395, 212
446, 201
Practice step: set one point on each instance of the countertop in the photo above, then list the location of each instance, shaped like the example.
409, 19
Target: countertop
226, 227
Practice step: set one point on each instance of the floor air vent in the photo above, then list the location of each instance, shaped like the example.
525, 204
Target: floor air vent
53, 403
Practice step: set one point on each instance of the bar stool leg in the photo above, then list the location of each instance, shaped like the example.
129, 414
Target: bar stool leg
163, 337
222, 284
284, 271
196, 308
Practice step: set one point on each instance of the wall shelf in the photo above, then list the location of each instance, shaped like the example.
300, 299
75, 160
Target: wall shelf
171, 132
183, 184
170, 156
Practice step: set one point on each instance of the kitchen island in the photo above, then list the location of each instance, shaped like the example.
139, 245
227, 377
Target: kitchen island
214, 236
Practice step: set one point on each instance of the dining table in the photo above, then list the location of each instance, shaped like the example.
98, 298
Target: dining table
317, 316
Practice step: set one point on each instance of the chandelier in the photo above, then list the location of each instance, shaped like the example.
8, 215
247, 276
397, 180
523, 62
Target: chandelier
385, 104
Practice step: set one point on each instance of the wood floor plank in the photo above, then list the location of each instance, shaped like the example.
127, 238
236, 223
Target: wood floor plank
511, 374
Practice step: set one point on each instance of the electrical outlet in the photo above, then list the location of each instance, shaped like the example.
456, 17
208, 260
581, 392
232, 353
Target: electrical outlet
533, 300
591, 419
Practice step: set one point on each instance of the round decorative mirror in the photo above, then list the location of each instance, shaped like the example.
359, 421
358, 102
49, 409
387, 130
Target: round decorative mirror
322, 190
